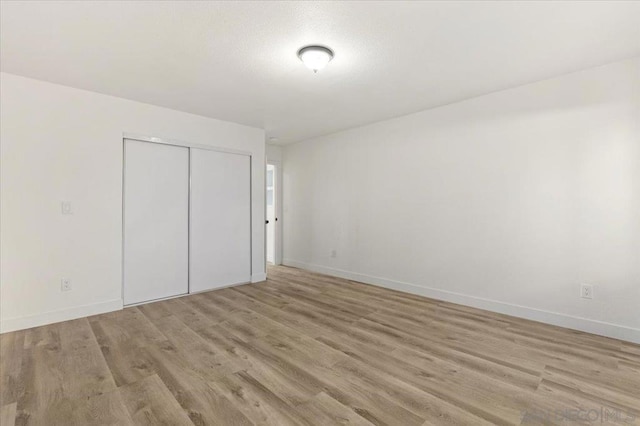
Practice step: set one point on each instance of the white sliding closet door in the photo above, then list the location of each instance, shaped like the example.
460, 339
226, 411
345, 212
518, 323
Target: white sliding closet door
220, 226
156, 221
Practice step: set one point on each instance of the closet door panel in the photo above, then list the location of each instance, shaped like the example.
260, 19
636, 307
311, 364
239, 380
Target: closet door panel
220, 220
156, 221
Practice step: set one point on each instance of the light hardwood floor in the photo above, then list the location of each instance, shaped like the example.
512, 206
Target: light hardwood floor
304, 348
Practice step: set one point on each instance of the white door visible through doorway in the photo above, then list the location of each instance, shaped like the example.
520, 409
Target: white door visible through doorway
271, 213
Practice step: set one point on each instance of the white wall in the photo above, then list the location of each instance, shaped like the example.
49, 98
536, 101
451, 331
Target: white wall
274, 153
507, 201
60, 143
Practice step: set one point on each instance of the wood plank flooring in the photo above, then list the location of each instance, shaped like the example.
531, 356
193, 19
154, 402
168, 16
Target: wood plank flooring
308, 349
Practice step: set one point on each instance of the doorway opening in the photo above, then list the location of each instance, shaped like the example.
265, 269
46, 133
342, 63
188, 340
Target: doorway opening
272, 214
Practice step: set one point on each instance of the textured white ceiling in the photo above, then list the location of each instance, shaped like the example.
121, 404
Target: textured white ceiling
237, 61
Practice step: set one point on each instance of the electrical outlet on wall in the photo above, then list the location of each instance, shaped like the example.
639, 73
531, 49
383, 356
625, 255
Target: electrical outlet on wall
586, 291
65, 284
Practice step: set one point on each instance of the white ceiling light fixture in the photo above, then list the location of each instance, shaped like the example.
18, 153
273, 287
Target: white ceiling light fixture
315, 57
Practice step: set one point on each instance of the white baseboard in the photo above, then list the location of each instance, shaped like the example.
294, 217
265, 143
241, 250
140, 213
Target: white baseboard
21, 323
256, 278
562, 320
13, 324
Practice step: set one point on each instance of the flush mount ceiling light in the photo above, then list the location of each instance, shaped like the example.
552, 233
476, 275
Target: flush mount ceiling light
315, 57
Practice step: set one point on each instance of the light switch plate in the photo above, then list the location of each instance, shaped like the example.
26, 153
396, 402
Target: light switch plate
66, 207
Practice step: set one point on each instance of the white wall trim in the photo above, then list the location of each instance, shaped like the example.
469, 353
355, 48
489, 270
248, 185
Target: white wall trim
175, 142
562, 320
256, 278
21, 323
